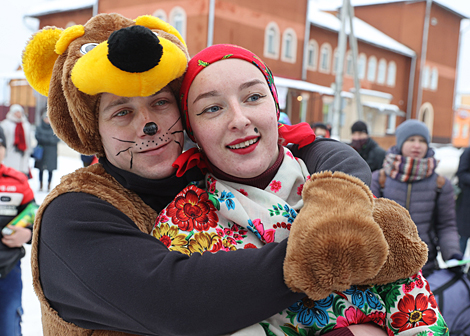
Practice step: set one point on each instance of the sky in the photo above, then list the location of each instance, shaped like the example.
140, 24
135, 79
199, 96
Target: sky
15, 32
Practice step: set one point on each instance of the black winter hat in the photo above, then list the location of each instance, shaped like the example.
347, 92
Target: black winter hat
3, 141
359, 126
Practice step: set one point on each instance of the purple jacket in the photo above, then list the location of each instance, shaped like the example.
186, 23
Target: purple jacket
422, 198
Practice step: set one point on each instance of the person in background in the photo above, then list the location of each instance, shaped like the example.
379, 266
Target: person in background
18, 136
366, 146
284, 119
88, 159
320, 130
48, 141
15, 196
411, 181
463, 207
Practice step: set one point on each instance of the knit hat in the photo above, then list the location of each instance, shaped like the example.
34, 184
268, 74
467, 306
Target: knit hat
409, 128
110, 53
359, 126
300, 134
3, 140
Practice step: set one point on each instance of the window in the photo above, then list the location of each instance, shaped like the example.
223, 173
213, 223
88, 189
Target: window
426, 77
391, 73
178, 20
361, 66
271, 41
325, 56
434, 79
349, 63
289, 46
335, 61
312, 55
161, 14
382, 71
371, 69
391, 124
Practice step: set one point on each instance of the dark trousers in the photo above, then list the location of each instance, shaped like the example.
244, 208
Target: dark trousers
10, 302
49, 179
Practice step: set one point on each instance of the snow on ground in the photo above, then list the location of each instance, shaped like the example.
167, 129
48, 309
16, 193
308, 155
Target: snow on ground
68, 161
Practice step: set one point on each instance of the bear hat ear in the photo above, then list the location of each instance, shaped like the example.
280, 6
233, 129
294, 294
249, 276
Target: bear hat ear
152, 22
39, 57
42, 51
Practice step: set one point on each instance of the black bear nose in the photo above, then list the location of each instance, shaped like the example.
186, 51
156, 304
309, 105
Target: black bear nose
150, 128
134, 49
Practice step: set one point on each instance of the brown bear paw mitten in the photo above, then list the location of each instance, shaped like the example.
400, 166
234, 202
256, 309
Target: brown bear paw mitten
407, 252
334, 242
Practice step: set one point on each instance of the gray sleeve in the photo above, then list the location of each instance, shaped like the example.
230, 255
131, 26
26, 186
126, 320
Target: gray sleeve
446, 227
332, 155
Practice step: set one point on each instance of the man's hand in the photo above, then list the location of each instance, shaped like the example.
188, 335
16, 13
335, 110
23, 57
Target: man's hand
19, 236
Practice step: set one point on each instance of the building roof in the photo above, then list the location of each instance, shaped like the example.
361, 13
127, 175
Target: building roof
18, 74
448, 5
58, 6
362, 30
307, 86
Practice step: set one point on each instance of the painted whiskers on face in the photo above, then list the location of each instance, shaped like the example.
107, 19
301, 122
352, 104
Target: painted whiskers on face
150, 144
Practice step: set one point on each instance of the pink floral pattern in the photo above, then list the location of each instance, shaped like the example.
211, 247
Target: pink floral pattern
275, 186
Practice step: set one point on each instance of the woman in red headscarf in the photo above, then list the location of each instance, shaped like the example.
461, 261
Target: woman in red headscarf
252, 191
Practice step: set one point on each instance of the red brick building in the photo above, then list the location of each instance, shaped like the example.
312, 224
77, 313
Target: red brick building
299, 43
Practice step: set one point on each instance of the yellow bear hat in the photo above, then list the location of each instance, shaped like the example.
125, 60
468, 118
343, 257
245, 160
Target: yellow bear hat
110, 53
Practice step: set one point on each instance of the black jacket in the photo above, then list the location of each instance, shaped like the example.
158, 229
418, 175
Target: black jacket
48, 140
463, 202
212, 295
373, 154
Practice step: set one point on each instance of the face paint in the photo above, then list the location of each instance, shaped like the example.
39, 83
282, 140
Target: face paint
150, 128
143, 135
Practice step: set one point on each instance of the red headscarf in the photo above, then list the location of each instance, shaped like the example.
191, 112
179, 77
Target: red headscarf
301, 134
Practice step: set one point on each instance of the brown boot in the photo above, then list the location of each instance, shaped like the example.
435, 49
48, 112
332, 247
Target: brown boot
40, 185
49, 187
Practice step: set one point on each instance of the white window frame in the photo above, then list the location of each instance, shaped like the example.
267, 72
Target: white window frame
161, 14
349, 64
361, 66
426, 77
175, 14
312, 55
391, 73
391, 123
289, 46
381, 71
371, 68
325, 67
334, 66
273, 28
434, 79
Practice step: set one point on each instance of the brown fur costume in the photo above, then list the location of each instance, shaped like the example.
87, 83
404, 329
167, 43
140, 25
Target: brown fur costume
342, 224
340, 236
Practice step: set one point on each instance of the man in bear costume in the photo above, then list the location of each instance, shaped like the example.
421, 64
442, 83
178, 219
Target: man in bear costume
97, 271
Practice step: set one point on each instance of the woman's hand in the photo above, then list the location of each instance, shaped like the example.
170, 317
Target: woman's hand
366, 329
19, 236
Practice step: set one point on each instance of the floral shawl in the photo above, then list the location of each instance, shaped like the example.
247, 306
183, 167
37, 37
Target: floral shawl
231, 216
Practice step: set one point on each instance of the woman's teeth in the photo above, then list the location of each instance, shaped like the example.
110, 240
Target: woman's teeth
243, 144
